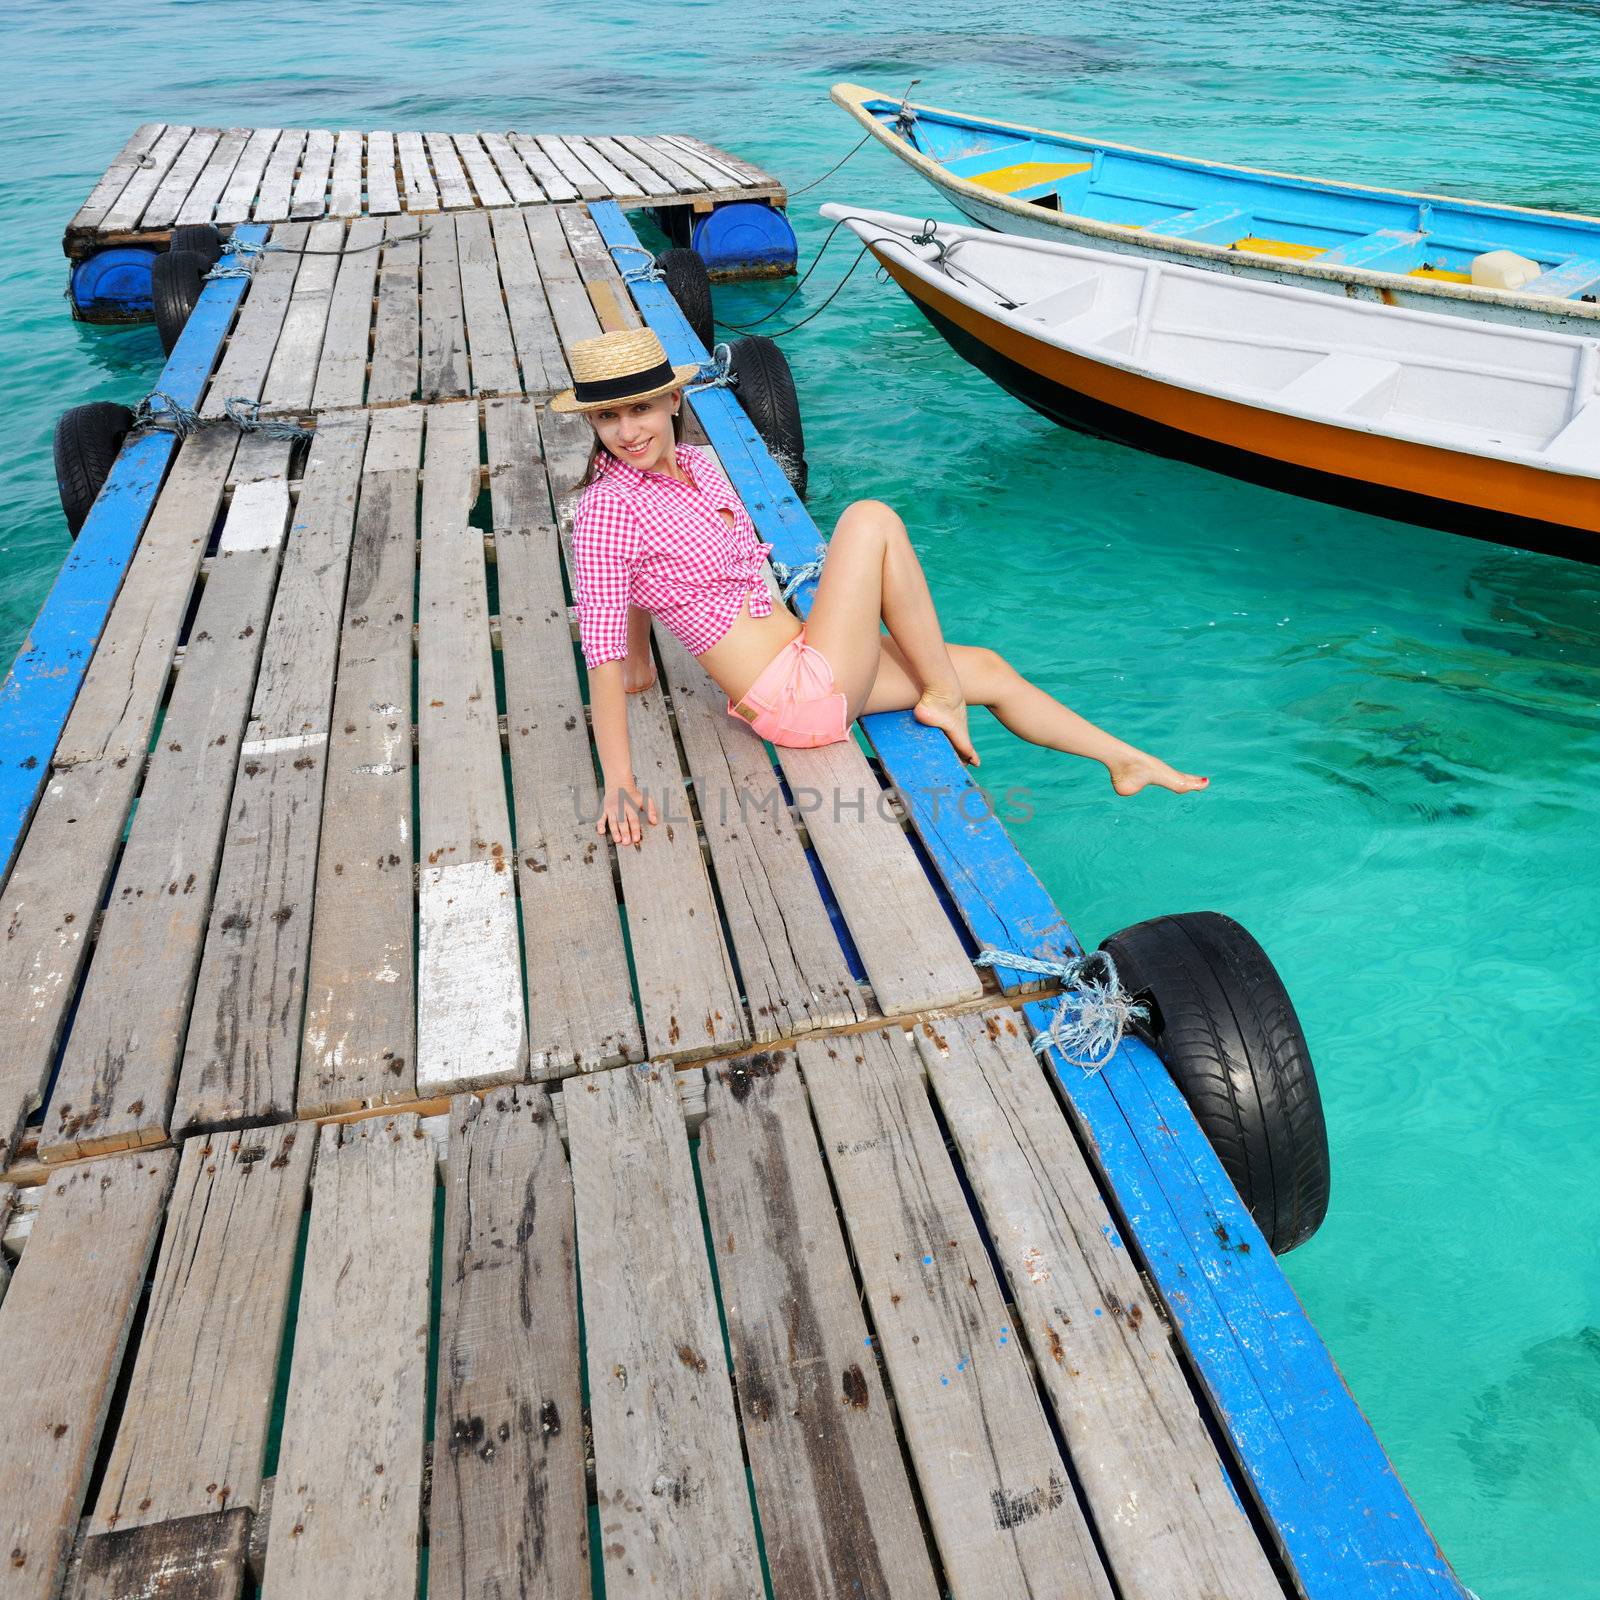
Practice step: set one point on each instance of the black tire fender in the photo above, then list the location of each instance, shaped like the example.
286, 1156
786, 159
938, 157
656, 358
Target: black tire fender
765, 389
201, 237
87, 440
1224, 1027
176, 281
690, 285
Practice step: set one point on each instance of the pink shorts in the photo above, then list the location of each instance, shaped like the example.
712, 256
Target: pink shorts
794, 701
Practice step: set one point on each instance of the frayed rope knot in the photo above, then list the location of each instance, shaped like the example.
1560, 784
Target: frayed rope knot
1092, 1017
246, 416
238, 259
648, 273
158, 410
792, 577
717, 373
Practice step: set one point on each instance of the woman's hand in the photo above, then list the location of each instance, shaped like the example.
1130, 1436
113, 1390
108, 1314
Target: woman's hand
620, 814
638, 673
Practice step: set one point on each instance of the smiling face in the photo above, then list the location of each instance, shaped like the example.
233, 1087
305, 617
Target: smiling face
640, 431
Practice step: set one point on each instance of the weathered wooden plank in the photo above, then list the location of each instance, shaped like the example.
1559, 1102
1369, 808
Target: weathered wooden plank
201, 201
556, 185
117, 1075
569, 301
342, 371
674, 1513
743, 171
130, 204
580, 1003
520, 183
454, 190
544, 367
347, 1506
715, 178
663, 159
421, 192
913, 956
508, 1513
570, 167
63, 1327
234, 203
128, 161
1158, 1494
193, 1558
193, 1429
471, 1027
642, 176
168, 200
8, 1197
998, 1495
837, 1514
344, 190
292, 375
383, 194
311, 187
602, 280
795, 975
397, 326
707, 158
56, 887
243, 1042
243, 368
491, 191
360, 1020
277, 182
493, 356
444, 373
605, 170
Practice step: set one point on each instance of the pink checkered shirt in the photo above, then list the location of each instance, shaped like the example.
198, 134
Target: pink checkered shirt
643, 538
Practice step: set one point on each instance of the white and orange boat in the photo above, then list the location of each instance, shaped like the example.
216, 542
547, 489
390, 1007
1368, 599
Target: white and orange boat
1475, 427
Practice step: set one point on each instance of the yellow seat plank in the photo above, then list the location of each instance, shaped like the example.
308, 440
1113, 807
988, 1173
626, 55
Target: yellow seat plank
1442, 273
1277, 247
1025, 174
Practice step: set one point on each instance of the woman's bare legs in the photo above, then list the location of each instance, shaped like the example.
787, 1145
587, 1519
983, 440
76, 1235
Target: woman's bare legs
873, 574
988, 679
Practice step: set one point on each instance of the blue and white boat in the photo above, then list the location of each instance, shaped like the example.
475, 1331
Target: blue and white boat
1497, 263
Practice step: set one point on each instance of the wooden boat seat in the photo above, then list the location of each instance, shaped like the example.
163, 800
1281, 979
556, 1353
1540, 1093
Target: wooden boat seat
1578, 443
1351, 384
1028, 175
1219, 223
1387, 250
1575, 277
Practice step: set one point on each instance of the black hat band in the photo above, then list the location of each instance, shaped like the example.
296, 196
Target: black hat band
658, 377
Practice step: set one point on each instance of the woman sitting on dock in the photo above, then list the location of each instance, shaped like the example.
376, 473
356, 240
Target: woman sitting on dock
659, 532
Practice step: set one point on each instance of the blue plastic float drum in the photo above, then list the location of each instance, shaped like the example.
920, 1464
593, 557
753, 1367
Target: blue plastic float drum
113, 285
745, 238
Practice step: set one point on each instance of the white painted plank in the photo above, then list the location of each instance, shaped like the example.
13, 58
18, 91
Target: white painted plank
234, 205
421, 192
311, 187
277, 182
383, 195
481, 170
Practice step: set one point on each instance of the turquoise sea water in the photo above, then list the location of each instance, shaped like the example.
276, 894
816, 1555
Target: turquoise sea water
1402, 725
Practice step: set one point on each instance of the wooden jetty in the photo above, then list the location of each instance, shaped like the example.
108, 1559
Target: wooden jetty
717, 1200
166, 176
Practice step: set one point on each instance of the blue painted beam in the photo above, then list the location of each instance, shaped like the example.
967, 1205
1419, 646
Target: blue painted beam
1342, 1519
44, 679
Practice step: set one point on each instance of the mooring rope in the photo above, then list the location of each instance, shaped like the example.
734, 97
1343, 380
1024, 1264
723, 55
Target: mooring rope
1103, 1008
717, 373
648, 273
159, 412
792, 577
928, 235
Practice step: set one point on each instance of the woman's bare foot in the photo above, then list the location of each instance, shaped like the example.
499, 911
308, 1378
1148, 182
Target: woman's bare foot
1131, 773
949, 712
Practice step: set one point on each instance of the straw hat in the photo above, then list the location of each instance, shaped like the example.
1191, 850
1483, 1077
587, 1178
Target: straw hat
627, 365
